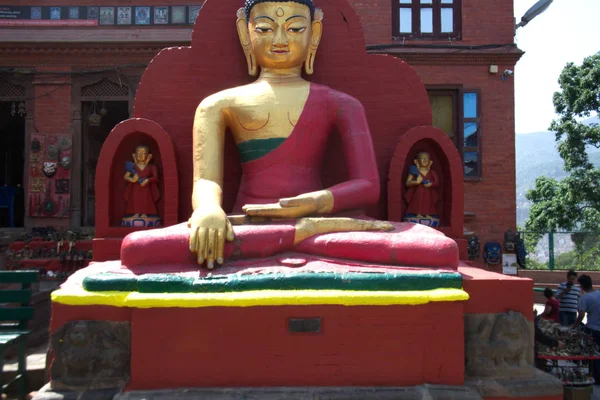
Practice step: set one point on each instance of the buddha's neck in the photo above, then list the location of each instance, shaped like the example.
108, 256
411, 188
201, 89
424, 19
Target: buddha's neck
281, 75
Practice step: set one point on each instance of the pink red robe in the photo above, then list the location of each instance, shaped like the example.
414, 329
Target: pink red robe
423, 200
142, 199
294, 167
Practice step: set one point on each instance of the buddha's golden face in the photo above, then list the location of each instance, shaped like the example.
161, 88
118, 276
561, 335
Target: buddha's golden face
280, 34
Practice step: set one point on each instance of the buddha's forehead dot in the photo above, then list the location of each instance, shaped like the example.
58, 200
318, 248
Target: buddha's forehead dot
280, 12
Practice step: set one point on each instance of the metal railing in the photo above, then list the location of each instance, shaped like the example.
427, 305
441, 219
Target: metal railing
562, 250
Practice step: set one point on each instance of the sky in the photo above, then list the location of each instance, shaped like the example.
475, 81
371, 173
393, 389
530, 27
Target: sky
568, 31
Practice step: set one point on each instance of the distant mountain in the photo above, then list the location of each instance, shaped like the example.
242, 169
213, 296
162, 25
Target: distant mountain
537, 155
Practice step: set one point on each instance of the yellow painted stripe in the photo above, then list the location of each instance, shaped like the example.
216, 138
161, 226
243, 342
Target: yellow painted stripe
80, 297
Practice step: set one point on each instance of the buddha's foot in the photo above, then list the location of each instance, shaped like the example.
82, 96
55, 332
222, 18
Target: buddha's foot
307, 227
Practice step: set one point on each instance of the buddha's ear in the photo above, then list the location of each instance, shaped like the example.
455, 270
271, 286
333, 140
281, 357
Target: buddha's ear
148, 158
242, 29
315, 39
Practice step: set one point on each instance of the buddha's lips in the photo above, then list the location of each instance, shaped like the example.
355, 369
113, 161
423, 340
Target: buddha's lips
280, 51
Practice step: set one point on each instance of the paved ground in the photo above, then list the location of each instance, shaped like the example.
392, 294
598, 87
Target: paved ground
36, 359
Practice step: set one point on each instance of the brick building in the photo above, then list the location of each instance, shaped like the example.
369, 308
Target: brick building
68, 74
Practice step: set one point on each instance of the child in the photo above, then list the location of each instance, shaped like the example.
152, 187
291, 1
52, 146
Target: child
552, 306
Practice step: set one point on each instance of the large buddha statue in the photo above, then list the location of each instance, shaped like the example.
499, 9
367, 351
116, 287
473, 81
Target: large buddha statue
281, 124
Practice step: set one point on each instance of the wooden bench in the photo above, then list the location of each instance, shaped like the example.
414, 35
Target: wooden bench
13, 323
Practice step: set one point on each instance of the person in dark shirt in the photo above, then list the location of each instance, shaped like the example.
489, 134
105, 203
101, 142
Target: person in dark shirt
552, 306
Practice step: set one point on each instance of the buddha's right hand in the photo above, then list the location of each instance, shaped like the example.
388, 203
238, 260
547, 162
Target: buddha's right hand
209, 230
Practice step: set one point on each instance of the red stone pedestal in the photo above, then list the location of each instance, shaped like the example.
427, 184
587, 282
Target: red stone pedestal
252, 346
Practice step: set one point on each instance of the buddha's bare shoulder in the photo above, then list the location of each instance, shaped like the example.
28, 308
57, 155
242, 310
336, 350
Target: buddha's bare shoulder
219, 101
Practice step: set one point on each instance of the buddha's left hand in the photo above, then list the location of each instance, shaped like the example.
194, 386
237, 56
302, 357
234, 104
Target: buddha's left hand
320, 202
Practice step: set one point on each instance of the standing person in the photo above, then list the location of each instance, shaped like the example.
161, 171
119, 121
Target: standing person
590, 304
568, 294
552, 306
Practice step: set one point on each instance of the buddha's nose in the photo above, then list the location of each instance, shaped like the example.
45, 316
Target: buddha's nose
280, 39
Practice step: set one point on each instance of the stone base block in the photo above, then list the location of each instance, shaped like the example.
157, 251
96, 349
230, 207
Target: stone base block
297, 346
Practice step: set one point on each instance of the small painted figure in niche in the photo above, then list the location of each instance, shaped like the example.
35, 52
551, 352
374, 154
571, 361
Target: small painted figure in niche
422, 192
141, 193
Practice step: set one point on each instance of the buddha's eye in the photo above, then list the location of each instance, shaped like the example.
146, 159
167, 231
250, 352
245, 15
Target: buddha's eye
297, 29
263, 29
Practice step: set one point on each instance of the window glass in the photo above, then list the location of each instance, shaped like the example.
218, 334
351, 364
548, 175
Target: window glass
470, 134
470, 105
405, 20
447, 1
405, 1
470, 164
447, 20
426, 20
426, 1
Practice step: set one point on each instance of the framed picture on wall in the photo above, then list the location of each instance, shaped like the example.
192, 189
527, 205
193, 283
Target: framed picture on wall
142, 15
178, 15
107, 15
161, 15
124, 16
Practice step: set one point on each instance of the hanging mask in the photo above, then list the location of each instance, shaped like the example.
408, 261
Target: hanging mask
473, 248
49, 169
509, 241
36, 146
65, 162
492, 253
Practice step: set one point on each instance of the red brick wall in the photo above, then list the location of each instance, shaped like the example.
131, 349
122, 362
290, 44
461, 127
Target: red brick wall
52, 115
493, 199
489, 24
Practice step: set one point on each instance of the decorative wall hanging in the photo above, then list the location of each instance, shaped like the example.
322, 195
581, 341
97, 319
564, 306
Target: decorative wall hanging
18, 109
61, 186
492, 253
38, 185
64, 143
36, 146
65, 162
473, 247
94, 118
49, 169
52, 152
35, 170
48, 206
521, 251
509, 240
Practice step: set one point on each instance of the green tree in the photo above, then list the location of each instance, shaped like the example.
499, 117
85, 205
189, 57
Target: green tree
574, 202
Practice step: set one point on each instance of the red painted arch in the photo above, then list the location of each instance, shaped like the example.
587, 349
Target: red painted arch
448, 162
117, 149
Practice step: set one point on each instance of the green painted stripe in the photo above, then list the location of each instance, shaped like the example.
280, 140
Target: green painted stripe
254, 149
108, 282
169, 283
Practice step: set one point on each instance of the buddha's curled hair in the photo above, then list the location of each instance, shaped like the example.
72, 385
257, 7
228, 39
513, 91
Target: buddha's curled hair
251, 3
